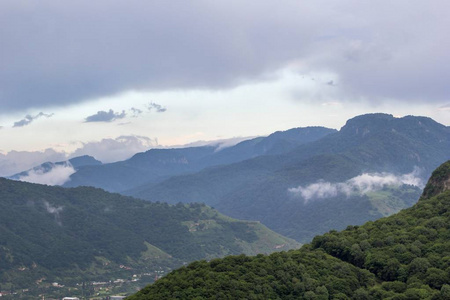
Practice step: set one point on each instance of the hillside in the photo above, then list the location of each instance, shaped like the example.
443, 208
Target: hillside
404, 256
53, 234
156, 165
284, 191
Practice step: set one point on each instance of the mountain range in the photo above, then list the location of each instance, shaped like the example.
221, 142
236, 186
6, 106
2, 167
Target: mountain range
374, 166
300, 182
404, 256
157, 165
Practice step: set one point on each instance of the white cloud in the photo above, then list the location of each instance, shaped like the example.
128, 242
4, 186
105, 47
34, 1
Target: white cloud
320, 189
57, 175
111, 150
17, 161
54, 211
105, 150
220, 143
361, 184
51, 209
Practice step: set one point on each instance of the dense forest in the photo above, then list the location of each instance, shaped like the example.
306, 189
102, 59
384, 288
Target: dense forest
404, 256
83, 234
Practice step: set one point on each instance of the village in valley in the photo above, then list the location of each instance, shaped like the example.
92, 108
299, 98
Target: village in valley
93, 290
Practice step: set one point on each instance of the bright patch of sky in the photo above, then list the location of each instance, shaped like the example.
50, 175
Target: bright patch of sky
282, 101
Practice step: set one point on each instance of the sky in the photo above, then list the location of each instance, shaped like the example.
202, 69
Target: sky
112, 78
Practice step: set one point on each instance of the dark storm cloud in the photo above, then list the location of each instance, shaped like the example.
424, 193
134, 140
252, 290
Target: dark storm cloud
105, 116
61, 52
29, 118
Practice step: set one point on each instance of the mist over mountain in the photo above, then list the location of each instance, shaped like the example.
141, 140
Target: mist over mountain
55, 173
369, 147
404, 256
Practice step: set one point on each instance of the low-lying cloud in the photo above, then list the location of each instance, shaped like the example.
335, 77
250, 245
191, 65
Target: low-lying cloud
105, 116
360, 185
105, 150
54, 211
220, 144
17, 161
57, 175
29, 118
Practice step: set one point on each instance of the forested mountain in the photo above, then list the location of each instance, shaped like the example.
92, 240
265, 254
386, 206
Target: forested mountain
156, 165
371, 168
53, 234
404, 256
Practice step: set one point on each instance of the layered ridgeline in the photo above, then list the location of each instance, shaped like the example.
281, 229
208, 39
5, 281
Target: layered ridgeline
156, 165
373, 167
53, 234
404, 256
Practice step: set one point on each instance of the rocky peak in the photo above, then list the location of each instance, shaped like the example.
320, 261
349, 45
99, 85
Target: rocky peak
439, 181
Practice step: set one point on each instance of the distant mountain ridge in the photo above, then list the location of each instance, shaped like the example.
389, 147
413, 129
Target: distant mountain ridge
156, 165
376, 145
76, 163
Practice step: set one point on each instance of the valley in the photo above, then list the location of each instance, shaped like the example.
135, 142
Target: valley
70, 236
299, 183
404, 256
224, 150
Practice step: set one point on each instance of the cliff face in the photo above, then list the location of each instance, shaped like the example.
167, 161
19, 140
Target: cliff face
439, 182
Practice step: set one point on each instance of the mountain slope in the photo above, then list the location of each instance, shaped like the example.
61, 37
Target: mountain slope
376, 146
71, 235
156, 165
150, 166
404, 256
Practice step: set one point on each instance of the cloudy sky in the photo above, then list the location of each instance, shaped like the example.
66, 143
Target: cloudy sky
110, 78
